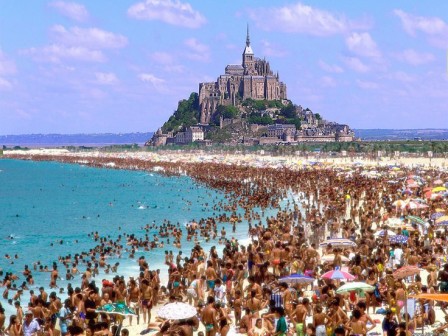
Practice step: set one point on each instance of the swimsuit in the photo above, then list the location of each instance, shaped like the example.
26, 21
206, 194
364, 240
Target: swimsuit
209, 327
211, 283
299, 329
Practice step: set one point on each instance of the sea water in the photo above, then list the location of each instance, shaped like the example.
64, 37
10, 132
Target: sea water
45, 207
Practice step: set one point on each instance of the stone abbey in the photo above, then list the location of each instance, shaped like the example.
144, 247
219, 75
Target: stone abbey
252, 79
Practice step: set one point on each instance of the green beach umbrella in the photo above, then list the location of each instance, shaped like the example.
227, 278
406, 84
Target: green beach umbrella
355, 286
416, 219
118, 308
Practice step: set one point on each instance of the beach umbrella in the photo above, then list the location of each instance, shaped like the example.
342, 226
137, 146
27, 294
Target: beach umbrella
438, 189
405, 272
330, 258
416, 219
442, 220
408, 227
381, 233
355, 286
176, 311
117, 308
431, 296
338, 274
297, 279
399, 203
437, 215
338, 242
438, 181
400, 239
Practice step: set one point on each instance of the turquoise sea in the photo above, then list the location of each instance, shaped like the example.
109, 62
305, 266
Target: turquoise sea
44, 203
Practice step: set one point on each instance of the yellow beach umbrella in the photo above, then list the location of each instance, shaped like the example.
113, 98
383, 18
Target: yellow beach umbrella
442, 220
437, 189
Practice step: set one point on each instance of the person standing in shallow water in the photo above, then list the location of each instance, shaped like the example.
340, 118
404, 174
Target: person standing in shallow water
208, 317
54, 277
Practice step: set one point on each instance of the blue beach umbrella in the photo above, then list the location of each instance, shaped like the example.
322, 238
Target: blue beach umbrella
437, 215
297, 279
400, 239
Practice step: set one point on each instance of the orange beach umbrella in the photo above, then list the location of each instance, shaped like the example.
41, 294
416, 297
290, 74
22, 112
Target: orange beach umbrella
435, 296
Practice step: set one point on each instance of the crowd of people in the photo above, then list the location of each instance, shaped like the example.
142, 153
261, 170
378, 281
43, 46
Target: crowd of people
247, 289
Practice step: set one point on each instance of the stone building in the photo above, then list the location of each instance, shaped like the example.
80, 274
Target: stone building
194, 133
252, 79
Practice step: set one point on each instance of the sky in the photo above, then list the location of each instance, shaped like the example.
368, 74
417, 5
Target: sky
122, 66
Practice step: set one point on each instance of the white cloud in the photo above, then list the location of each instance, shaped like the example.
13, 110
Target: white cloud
356, 64
93, 38
402, 77
328, 81
173, 12
272, 50
330, 68
433, 27
362, 44
106, 78
300, 18
72, 10
7, 66
413, 23
367, 85
56, 53
197, 51
162, 57
150, 78
5, 84
414, 57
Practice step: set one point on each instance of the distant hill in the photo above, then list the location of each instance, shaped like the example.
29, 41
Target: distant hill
402, 134
58, 140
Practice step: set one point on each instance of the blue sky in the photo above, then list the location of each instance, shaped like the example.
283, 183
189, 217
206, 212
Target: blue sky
122, 66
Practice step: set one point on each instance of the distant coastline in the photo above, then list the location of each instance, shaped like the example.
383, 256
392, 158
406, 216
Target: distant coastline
110, 139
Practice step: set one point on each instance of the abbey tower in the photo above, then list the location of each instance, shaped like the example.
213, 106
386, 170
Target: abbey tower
252, 79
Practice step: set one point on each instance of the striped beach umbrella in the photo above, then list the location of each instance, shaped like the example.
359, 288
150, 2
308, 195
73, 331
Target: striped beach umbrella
442, 220
416, 219
338, 242
405, 272
297, 279
338, 274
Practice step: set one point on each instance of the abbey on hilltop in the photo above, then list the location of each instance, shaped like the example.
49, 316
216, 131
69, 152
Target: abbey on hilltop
252, 79
248, 104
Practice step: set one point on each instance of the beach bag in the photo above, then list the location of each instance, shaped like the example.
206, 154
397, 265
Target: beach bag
376, 292
381, 311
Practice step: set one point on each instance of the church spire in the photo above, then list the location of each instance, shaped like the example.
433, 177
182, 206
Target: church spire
247, 36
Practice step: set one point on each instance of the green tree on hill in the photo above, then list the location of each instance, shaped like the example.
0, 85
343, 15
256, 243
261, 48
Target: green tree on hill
288, 111
187, 114
227, 112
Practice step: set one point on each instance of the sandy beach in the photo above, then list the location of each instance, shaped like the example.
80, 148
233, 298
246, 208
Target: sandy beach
255, 160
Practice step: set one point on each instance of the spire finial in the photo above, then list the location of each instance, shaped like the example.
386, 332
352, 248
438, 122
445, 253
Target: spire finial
247, 36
